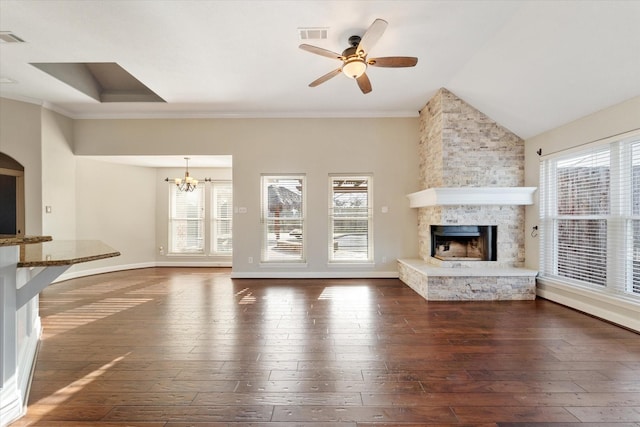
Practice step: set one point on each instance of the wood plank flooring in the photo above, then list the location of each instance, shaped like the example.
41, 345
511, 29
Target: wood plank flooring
170, 347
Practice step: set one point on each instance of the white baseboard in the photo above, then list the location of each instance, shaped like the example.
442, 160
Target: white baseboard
111, 269
608, 307
315, 275
235, 275
193, 264
102, 270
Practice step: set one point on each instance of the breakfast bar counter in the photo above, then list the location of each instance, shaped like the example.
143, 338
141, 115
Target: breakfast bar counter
28, 264
12, 239
63, 252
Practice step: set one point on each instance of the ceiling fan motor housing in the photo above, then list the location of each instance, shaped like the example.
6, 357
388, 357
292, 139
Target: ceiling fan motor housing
354, 41
350, 51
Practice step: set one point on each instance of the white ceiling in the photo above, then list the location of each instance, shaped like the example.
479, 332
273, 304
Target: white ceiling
529, 65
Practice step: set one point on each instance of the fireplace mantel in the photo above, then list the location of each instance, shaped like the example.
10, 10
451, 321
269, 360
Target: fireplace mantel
443, 196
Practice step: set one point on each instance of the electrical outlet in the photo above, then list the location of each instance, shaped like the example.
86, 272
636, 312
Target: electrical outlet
250, 260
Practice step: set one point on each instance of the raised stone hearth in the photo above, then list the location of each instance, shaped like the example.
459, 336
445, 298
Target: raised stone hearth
467, 284
472, 174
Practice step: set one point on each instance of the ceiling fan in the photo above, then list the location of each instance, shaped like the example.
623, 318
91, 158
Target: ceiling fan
354, 58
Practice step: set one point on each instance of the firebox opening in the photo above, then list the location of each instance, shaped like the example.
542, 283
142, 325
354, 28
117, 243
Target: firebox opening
464, 242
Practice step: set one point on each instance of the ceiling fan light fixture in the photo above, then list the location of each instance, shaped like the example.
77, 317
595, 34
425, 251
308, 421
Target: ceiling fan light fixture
354, 67
354, 58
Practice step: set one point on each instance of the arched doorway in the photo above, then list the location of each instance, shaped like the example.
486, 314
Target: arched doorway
11, 196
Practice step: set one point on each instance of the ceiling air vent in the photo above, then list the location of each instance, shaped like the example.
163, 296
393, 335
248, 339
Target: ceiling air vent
313, 33
9, 37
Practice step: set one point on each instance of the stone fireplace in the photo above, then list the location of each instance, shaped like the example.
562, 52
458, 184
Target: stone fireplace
471, 172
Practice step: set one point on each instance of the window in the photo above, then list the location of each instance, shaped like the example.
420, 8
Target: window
186, 221
350, 219
590, 217
190, 212
282, 218
221, 217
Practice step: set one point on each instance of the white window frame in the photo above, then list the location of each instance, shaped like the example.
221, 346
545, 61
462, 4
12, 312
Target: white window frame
620, 250
294, 246
334, 254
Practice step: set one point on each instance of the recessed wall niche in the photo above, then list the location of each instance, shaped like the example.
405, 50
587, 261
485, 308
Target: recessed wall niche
11, 196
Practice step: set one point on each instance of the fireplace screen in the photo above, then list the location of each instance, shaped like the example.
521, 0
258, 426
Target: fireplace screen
464, 242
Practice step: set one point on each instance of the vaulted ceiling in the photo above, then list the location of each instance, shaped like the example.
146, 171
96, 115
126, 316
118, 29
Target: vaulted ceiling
529, 65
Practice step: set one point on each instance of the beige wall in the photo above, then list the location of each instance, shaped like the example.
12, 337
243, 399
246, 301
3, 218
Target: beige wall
58, 176
117, 205
385, 147
20, 134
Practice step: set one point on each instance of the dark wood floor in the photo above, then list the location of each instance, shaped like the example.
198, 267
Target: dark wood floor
191, 347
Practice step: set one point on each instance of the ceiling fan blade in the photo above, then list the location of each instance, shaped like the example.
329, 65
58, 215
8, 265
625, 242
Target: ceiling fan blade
393, 61
364, 83
371, 36
320, 51
326, 77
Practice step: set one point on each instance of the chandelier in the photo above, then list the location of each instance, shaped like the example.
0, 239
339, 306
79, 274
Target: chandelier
187, 183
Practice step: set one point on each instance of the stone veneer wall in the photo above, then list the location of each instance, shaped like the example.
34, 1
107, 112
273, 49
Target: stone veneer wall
462, 147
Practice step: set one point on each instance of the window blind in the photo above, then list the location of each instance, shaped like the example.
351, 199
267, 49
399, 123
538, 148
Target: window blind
633, 265
590, 217
222, 217
624, 244
583, 200
186, 220
282, 215
350, 219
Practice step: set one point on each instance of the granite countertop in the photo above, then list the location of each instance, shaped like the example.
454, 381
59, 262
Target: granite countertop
13, 240
64, 252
